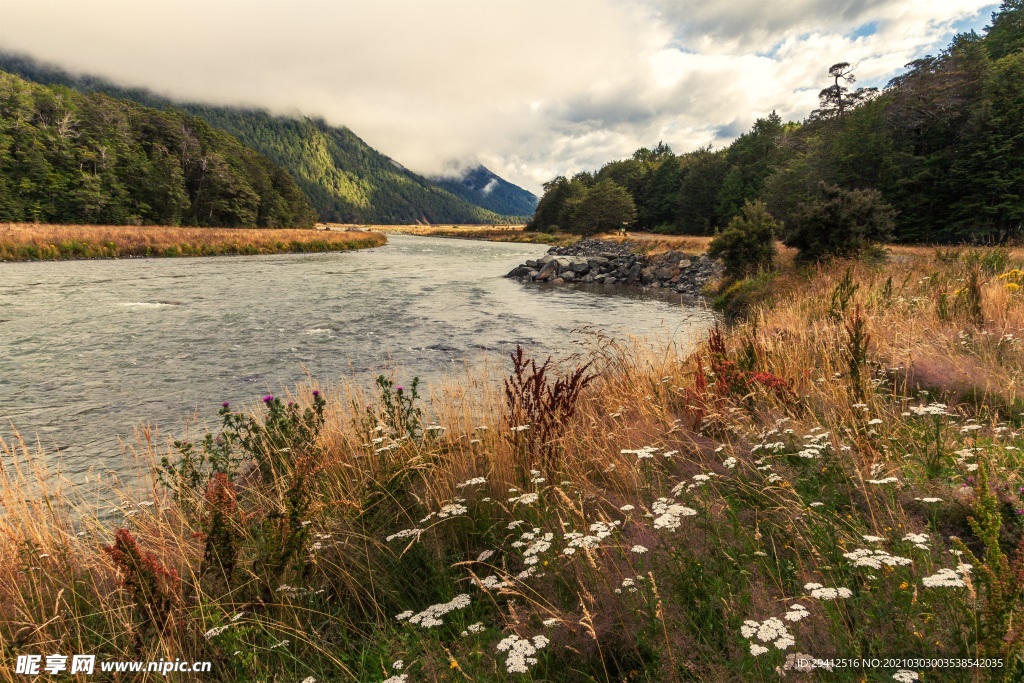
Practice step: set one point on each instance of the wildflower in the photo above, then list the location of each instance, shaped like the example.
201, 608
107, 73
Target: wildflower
863, 557
520, 652
729, 463
431, 616
887, 480
929, 500
404, 615
669, 514
405, 533
796, 612
638, 549
491, 582
268, 398
308, 679
906, 676
550, 622
930, 409
872, 539
451, 510
626, 508
397, 665
484, 556
283, 643
946, 578
475, 628
400, 678
817, 504
822, 593
475, 481
771, 630
215, 631
520, 428
757, 650
875, 421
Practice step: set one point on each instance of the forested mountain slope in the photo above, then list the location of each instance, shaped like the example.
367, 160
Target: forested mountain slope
66, 157
483, 187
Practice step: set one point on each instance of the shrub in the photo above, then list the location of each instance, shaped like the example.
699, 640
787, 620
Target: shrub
839, 222
748, 244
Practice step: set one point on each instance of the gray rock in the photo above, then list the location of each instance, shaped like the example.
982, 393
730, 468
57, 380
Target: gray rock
518, 271
558, 281
684, 264
580, 267
568, 276
587, 278
548, 271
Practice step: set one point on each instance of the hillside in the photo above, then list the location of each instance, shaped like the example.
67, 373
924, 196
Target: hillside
481, 186
66, 157
345, 179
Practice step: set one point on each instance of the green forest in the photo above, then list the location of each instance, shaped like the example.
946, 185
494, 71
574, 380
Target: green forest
344, 179
66, 157
941, 147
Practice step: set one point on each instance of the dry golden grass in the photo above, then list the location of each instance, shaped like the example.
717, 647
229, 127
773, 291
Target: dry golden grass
755, 542
31, 241
490, 233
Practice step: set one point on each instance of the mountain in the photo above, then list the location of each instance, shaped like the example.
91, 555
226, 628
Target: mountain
345, 179
482, 187
67, 157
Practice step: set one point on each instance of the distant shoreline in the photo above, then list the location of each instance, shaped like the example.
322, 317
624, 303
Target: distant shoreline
49, 242
489, 233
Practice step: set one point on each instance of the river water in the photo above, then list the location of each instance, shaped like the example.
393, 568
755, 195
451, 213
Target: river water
90, 349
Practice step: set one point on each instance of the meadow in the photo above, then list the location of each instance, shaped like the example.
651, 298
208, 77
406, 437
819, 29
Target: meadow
837, 476
489, 233
42, 242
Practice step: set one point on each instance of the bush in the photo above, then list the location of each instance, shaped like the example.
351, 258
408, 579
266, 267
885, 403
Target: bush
839, 222
748, 244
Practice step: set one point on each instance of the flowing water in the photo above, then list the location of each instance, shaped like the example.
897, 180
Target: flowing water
90, 349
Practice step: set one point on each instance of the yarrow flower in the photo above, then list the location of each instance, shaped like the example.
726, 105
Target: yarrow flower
638, 549
771, 630
520, 652
820, 592
669, 514
947, 578
906, 676
863, 557
216, 631
431, 616
796, 612
475, 481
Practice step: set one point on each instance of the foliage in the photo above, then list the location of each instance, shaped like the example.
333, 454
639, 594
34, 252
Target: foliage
839, 222
748, 244
71, 158
605, 206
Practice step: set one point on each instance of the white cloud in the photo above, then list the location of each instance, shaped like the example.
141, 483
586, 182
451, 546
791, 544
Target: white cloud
531, 89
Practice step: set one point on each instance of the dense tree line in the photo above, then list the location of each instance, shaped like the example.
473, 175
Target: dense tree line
66, 157
344, 179
942, 146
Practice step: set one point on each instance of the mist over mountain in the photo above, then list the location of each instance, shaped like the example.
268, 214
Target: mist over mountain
481, 186
344, 179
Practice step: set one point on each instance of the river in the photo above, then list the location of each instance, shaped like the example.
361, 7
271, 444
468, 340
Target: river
90, 349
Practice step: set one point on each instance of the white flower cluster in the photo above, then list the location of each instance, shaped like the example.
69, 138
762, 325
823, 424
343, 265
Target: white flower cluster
886, 480
730, 463
815, 446
642, 453
451, 510
919, 540
492, 582
475, 481
400, 678
906, 676
638, 549
669, 514
405, 533
520, 652
775, 446
930, 409
771, 630
216, 631
525, 499
796, 612
431, 616
929, 500
864, 557
538, 546
819, 592
473, 628
947, 578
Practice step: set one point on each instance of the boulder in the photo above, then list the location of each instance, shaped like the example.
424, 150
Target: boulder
568, 276
685, 263
518, 271
558, 281
548, 271
580, 267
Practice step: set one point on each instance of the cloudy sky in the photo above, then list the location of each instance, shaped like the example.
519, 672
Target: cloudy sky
531, 88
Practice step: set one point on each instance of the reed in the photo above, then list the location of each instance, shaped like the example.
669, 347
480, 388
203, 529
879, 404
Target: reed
837, 477
37, 242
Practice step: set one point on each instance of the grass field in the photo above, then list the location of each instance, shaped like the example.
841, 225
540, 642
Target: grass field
37, 242
490, 233
839, 476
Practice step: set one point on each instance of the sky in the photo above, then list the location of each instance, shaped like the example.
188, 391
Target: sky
529, 88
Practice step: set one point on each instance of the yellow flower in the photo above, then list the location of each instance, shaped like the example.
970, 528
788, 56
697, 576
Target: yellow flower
453, 665
904, 586
1012, 287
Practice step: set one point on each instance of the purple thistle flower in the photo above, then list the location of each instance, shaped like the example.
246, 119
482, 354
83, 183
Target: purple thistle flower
399, 389
225, 404
315, 393
268, 398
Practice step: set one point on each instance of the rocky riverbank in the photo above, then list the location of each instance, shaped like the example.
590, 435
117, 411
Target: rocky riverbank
607, 262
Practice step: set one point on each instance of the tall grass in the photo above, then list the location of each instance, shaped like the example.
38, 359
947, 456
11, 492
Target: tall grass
37, 242
838, 477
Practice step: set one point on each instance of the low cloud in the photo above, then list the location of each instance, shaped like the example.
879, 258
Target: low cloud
530, 89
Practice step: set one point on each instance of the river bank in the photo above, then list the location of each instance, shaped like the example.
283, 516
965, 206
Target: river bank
759, 504
40, 242
488, 233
